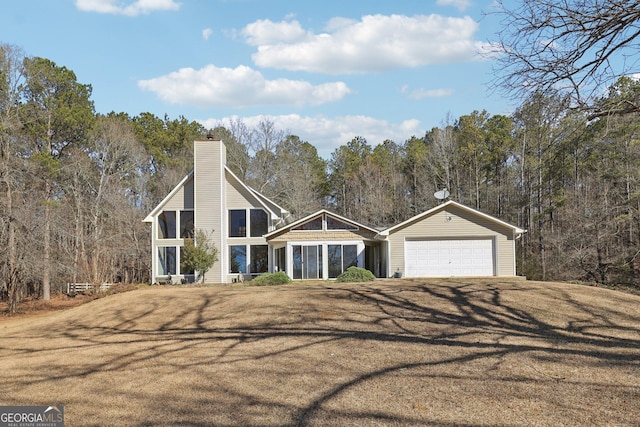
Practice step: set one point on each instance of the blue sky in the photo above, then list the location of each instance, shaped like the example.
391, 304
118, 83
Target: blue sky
325, 71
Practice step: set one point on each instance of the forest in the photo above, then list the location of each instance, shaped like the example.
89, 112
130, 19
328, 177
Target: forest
75, 185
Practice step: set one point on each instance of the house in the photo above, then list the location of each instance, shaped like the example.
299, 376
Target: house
254, 235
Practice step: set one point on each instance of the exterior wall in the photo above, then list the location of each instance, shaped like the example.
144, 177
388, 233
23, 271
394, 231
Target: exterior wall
324, 238
210, 200
182, 199
179, 201
452, 223
238, 197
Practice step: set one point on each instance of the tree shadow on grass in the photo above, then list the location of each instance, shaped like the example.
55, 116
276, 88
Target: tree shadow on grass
312, 355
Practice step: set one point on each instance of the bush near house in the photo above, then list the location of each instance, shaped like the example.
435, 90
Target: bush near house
356, 274
270, 279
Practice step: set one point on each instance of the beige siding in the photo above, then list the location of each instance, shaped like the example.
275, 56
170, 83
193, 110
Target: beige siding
182, 199
209, 192
314, 236
455, 223
238, 197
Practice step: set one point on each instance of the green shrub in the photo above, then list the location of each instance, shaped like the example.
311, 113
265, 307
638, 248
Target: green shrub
356, 274
270, 279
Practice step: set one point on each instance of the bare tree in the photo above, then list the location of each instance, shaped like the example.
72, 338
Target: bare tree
12, 76
578, 46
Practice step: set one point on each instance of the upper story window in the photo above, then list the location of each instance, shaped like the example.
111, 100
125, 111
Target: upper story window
169, 223
187, 224
314, 224
336, 224
325, 222
238, 223
258, 223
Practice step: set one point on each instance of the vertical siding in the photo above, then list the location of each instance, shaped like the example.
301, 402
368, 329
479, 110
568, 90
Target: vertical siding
453, 223
209, 199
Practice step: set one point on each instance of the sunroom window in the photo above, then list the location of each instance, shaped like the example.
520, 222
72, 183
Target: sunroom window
313, 225
341, 257
336, 224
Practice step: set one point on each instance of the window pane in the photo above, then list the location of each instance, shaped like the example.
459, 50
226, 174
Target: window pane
259, 223
311, 259
297, 262
167, 225
281, 256
259, 258
238, 259
314, 224
186, 224
335, 260
335, 224
238, 223
166, 260
183, 269
349, 256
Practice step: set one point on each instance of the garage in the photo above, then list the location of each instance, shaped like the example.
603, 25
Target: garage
449, 257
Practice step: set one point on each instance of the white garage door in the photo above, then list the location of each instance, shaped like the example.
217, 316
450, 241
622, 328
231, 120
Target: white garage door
446, 258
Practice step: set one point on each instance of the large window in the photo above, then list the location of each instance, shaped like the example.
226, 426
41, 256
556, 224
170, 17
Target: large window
257, 255
238, 259
183, 269
187, 225
336, 224
259, 224
341, 257
313, 225
166, 260
259, 258
237, 223
307, 262
167, 225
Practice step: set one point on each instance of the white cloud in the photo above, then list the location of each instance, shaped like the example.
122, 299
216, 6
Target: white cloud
461, 5
328, 133
239, 87
206, 33
267, 32
426, 93
117, 7
375, 43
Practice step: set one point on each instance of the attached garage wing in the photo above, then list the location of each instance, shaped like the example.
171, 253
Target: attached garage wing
449, 257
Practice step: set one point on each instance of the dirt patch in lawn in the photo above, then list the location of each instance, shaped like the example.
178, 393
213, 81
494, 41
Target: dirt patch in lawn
391, 352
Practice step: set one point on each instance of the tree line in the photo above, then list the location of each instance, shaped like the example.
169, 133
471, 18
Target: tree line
75, 185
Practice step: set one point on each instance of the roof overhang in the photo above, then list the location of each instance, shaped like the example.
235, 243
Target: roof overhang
516, 230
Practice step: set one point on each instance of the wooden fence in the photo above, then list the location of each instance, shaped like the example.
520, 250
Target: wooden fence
78, 288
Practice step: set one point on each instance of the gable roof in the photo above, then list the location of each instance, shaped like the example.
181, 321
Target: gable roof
269, 205
314, 215
515, 229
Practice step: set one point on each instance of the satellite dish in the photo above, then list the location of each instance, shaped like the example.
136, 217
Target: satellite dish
441, 195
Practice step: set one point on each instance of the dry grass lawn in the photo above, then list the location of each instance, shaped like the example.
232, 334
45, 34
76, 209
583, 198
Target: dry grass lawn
392, 353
